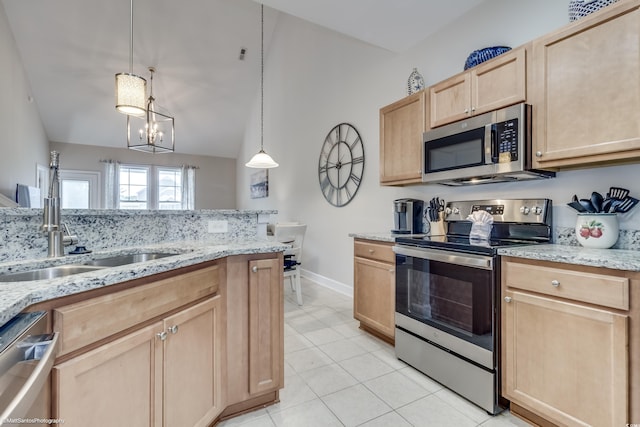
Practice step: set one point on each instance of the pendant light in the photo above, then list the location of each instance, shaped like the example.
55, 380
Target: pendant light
154, 132
262, 160
130, 88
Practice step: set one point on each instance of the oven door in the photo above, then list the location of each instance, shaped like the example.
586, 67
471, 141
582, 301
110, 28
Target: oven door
448, 299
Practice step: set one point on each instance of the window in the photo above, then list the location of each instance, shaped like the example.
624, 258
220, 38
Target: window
150, 187
134, 187
79, 189
169, 188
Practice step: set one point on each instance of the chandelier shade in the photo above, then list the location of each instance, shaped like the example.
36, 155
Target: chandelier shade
261, 160
130, 94
131, 89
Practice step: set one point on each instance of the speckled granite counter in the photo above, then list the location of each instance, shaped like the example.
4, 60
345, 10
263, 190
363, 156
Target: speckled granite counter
381, 237
16, 296
618, 259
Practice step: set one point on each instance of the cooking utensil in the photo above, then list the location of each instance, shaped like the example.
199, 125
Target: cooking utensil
626, 205
596, 201
577, 206
617, 193
586, 204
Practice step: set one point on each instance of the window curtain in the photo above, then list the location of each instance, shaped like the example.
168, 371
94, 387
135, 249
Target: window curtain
111, 184
188, 187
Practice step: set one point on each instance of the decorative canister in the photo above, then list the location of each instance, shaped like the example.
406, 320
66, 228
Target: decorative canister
597, 230
415, 82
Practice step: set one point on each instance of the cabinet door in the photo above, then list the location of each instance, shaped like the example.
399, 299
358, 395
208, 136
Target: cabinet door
374, 295
193, 365
450, 100
565, 361
587, 78
117, 384
401, 127
266, 326
499, 82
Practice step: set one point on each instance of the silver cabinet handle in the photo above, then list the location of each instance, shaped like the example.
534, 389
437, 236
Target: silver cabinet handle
507, 299
162, 335
173, 329
555, 283
538, 153
371, 251
254, 269
393, 270
473, 109
466, 111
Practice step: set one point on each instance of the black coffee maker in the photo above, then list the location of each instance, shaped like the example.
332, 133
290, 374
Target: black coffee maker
407, 216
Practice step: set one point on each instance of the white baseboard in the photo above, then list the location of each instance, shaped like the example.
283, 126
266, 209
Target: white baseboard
334, 285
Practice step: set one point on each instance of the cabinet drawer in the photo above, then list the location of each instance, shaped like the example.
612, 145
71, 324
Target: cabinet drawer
376, 251
86, 322
600, 289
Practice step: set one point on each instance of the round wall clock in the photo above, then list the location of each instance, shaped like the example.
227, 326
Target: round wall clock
341, 164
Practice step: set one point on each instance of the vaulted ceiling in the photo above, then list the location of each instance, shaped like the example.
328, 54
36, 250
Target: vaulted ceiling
71, 50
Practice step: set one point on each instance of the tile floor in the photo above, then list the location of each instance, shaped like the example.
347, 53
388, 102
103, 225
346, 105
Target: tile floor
337, 375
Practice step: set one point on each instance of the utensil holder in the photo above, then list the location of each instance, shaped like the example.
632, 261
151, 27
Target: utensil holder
437, 228
597, 230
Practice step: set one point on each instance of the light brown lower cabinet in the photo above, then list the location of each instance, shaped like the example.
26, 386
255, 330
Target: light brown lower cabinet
166, 374
374, 286
255, 332
183, 349
566, 343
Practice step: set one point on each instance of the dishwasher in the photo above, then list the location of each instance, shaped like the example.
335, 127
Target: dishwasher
27, 353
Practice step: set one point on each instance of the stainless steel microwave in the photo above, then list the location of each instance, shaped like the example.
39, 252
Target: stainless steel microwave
490, 147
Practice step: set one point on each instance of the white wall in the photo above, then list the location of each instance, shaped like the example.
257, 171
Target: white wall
316, 79
215, 176
23, 142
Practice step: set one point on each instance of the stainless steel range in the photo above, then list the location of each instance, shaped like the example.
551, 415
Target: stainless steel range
447, 295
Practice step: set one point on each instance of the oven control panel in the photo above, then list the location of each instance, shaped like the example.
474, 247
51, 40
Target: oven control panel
532, 211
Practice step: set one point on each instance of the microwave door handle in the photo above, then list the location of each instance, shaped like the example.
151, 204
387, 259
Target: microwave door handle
494, 143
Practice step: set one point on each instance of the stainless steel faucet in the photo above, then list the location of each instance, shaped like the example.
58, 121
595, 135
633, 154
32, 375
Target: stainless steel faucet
58, 233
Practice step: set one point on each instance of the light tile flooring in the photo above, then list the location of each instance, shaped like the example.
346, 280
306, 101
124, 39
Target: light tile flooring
337, 375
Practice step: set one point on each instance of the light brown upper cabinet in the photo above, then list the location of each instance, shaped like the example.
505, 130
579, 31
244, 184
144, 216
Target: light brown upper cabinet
491, 85
586, 89
401, 127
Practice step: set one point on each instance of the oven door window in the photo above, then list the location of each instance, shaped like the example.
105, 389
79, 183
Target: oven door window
456, 151
453, 298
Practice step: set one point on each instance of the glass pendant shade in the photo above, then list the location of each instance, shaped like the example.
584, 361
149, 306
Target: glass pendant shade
261, 161
130, 94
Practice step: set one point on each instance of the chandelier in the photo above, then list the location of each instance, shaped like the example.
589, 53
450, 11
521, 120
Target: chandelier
261, 160
152, 132
130, 88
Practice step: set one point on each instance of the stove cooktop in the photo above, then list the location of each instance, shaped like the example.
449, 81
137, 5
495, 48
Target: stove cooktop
462, 243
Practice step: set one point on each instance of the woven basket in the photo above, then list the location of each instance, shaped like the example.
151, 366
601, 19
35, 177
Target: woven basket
581, 8
479, 56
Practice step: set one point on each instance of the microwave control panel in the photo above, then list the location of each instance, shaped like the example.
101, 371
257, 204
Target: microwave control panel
506, 134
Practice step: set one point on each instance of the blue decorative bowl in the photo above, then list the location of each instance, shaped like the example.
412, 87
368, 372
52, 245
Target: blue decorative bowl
581, 8
479, 56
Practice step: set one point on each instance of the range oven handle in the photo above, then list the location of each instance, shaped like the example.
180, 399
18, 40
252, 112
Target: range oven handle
467, 260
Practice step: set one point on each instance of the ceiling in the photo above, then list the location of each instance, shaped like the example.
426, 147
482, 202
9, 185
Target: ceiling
71, 50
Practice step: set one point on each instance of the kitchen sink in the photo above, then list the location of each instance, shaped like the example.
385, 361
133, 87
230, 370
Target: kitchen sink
119, 260
69, 269
48, 273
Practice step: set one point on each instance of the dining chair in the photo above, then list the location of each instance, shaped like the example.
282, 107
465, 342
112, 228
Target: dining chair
293, 235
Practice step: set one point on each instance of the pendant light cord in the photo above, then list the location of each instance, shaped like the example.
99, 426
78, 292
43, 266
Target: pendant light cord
131, 39
261, 79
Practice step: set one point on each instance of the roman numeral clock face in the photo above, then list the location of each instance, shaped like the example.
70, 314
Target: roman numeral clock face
341, 164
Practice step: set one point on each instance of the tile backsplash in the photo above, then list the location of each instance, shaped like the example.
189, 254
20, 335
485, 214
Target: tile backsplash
21, 237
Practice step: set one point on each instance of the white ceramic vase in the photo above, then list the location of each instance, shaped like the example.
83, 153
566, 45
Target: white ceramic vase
597, 230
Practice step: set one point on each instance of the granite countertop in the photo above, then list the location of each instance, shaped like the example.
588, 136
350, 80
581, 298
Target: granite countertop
617, 259
16, 296
382, 237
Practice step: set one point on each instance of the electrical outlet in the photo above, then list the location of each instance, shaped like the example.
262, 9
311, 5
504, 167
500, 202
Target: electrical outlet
218, 226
